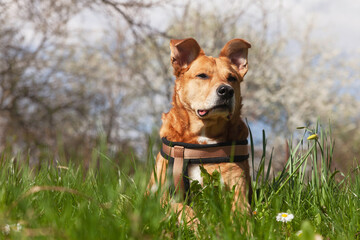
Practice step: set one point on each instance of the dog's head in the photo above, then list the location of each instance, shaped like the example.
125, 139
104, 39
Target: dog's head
206, 86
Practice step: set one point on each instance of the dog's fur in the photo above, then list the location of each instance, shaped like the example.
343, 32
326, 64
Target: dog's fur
201, 114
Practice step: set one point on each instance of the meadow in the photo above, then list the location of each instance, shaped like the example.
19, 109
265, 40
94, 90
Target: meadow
107, 200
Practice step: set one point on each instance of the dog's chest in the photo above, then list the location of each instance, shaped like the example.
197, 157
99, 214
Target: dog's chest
194, 171
206, 140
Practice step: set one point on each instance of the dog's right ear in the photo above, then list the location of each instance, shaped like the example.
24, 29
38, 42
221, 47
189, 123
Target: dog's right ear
183, 52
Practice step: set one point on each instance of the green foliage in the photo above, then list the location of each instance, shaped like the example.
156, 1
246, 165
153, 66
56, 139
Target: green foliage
109, 200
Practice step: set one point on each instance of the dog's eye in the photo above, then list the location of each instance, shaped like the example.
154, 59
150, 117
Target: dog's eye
231, 78
202, 76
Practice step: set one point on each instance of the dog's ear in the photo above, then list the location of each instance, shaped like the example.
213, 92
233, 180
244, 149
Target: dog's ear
237, 51
183, 52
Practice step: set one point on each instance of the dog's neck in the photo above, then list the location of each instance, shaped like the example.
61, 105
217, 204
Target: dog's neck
183, 125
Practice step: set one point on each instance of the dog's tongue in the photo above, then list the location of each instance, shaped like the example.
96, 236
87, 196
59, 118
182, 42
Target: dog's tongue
202, 112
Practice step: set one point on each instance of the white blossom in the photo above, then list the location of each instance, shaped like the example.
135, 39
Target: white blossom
6, 229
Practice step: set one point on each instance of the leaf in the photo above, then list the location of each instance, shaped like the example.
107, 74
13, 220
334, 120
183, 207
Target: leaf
307, 231
205, 175
318, 219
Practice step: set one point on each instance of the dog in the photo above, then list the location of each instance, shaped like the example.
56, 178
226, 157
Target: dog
205, 114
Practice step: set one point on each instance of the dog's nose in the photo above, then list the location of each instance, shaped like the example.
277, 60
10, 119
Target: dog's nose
225, 91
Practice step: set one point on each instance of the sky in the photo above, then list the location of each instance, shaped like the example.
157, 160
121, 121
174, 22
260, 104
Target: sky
337, 20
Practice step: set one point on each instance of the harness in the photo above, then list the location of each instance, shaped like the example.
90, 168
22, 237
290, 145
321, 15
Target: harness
180, 155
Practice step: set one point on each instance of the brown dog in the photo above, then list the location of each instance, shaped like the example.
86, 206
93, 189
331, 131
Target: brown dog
206, 110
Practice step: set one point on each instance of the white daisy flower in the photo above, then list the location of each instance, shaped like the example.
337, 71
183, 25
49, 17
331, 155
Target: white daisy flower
284, 217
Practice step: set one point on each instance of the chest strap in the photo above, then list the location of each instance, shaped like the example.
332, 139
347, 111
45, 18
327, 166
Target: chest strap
180, 155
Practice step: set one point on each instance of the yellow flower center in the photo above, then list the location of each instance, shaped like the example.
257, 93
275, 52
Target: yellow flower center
284, 215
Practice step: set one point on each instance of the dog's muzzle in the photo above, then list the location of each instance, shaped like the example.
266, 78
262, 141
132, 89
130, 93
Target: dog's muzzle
225, 92
223, 102
225, 99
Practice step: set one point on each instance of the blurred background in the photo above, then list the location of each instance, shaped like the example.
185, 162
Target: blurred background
74, 73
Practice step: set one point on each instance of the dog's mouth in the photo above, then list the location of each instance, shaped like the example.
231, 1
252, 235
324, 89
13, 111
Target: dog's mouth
203, 113
219, 108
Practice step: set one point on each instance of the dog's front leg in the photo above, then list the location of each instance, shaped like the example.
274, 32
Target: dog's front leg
240, 201
158, 180
240, 181
158, 176
185, 213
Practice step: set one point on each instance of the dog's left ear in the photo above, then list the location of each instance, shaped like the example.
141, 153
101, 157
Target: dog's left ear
237, 51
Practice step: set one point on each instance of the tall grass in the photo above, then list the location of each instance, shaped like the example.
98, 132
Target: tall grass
108, 201
308, 188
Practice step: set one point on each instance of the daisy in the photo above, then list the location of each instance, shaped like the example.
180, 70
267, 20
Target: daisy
284, 217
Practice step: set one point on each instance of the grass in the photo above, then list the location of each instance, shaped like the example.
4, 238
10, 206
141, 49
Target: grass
64, 201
